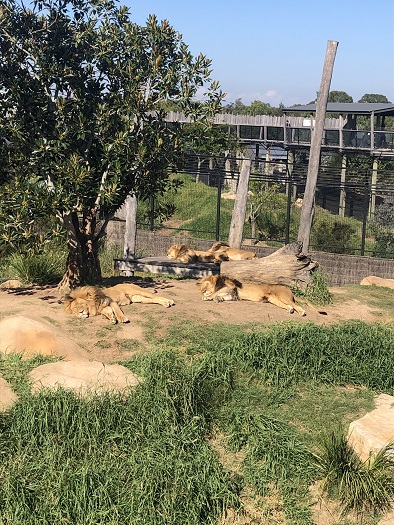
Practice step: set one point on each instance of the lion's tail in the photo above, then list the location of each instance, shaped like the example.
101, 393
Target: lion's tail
307, 303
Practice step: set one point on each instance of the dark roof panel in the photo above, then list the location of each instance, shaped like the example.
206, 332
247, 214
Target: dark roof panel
348, 108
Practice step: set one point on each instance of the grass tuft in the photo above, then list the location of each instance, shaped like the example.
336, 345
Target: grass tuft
361, 486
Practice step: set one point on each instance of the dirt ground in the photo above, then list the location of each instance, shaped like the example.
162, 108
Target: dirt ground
106, 342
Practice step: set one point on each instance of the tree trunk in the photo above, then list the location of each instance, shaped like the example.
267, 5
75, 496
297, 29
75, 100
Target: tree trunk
285, 266
83, 265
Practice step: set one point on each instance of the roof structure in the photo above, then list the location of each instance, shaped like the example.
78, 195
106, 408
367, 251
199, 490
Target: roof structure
347, 108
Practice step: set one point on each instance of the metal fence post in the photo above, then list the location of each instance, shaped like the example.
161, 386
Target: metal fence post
365, 215
218, 203
288, 208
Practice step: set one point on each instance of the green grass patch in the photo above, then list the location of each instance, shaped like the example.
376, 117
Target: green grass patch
146, 457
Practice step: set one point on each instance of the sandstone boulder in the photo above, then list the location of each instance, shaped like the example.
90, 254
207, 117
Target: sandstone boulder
371, 433
7, 395
377, 281
29, 337
83, 377
11, 284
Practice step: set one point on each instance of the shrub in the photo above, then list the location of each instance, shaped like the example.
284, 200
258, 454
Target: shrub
45, 268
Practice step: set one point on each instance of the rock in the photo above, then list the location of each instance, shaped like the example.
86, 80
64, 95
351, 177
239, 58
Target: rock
28, 337
377, 281
369, 434
11, 284
83, 377
7, 395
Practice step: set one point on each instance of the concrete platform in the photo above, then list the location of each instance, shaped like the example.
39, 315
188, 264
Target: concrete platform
164, 265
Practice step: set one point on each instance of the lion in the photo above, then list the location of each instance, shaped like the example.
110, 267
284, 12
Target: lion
182, 253
221, 288
89, 301
233, 254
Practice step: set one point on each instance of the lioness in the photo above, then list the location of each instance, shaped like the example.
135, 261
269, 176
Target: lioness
221, 288
233, 254
89, 301
182, 253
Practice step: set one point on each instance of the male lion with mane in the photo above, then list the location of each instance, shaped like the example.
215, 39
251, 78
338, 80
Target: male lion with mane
221, 288
89, 301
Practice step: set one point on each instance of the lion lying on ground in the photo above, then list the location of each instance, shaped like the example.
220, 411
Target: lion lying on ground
232, 253
182, 253
221, 288
89, 301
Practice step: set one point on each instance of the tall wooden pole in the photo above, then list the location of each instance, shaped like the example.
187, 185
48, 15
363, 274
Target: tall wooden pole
240, 203
131, 227
307, 210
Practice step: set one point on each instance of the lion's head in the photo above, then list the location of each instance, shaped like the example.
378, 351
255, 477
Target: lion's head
85, 301
218, 288
180, 252
211, 284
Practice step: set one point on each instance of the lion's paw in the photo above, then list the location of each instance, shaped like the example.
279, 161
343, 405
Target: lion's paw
169, 302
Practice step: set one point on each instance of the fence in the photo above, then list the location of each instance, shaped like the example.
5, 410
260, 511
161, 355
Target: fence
352, 215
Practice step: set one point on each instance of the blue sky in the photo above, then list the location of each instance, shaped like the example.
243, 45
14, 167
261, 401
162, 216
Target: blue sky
274, 51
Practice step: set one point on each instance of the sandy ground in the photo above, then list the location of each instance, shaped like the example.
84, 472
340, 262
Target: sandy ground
106, 342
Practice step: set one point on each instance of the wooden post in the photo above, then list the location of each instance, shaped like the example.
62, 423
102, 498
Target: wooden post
372, 202
131, 227
342, 195
239, 210
307, 210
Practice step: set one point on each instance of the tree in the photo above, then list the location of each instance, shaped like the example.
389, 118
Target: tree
374, 98
339, 96
209, 144
82, 92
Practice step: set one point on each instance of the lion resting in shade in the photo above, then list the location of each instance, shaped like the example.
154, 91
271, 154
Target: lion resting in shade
233, 254
89, 301
182, 253
220, 288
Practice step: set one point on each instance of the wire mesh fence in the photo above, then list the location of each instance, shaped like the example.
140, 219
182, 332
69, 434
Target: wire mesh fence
354, 211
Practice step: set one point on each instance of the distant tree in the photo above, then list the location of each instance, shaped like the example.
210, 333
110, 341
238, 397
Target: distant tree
339, 96
208, 143
374, 98
236, 107
257, 107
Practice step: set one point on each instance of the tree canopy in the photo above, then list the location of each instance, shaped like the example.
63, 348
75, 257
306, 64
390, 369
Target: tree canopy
82, 97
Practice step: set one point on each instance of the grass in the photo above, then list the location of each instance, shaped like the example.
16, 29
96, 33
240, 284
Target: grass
361, 487
147, 457
41, 269
376, 296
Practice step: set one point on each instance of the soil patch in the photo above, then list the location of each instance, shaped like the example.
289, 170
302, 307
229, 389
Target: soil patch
105, 342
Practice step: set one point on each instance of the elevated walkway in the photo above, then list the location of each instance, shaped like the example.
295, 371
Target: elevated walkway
164, 265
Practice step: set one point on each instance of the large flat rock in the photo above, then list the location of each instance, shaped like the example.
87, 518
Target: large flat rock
371, 433
83, 377
29, 337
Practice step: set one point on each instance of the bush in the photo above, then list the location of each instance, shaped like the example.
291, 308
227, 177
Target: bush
41, 269
334, 235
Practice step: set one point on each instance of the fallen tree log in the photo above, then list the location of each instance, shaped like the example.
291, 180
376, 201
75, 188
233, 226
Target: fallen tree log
285, 266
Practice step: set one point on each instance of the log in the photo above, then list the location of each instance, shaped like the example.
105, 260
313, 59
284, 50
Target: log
286, 266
